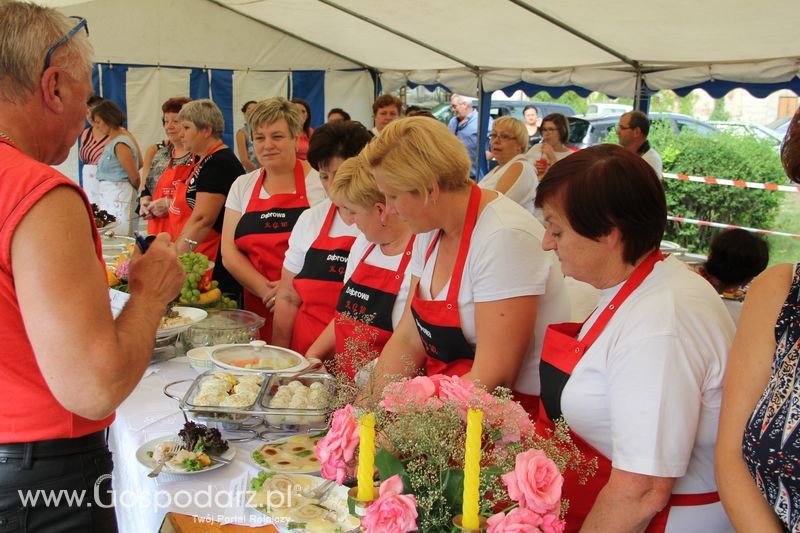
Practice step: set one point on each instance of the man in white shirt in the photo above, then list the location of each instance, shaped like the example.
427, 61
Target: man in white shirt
632, 131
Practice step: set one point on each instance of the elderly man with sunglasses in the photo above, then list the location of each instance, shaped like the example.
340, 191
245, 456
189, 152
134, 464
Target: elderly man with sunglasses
67, 364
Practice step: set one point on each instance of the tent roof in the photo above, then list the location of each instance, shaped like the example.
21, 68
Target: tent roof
592, 44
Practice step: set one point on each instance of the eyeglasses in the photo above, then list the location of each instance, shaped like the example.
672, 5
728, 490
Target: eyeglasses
549, 129
81, 24
501, 136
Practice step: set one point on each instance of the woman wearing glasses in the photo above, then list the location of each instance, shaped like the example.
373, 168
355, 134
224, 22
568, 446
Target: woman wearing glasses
514, 176
555, 132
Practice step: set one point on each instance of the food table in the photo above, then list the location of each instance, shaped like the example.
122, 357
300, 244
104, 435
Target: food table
142, 502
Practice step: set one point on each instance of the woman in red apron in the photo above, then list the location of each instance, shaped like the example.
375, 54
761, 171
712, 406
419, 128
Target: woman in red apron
264, 205
622, 389
197, 212
374, 295
319, 246
167, 163
475, 304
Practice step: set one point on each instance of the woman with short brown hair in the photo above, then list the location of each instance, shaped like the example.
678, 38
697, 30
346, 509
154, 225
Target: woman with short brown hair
639, 382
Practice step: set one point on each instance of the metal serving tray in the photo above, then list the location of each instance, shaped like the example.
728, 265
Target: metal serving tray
247, 417
296, 419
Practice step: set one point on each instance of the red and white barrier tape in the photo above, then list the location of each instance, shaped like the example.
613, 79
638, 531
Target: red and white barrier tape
730, 226
734, 183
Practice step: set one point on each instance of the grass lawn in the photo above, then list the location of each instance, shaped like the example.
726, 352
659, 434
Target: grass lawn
786, 249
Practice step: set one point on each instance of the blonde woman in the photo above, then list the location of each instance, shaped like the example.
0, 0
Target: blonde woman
482, 290
319, 246
514, 176
377, 278
263, 206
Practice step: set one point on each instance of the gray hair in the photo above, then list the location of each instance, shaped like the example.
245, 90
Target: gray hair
461, 99
204, 114
272, 110
26, 34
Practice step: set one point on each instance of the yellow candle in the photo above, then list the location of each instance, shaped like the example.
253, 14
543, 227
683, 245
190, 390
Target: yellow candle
472, 470
366, 457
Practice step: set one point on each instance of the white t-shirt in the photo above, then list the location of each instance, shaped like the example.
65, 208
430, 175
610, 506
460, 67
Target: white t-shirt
647, 393
307, 230
653, 159
524, 189
505, 260
242, 190
390, 262
535, 153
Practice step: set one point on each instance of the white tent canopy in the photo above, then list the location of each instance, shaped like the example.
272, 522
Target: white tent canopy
596, 45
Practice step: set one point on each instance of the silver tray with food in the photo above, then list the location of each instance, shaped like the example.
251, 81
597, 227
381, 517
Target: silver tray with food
248, 399
218, 396
298, 404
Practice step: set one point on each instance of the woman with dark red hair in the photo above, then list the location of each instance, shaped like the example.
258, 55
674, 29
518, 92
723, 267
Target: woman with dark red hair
166, 162
758, 452
640, 380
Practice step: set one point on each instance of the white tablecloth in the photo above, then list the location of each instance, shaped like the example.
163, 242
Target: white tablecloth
141, 502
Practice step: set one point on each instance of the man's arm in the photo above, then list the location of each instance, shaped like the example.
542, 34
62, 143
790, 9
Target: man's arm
90, 362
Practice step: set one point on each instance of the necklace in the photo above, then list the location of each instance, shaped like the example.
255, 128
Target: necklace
7, 137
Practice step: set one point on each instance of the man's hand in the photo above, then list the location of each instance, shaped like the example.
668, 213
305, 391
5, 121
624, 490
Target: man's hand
156, 275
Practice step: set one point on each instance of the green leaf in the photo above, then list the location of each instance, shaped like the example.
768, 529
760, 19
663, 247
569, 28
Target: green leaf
389, 465
453, 485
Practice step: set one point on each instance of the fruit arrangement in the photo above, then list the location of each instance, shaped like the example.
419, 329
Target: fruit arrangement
199, 289
102, 218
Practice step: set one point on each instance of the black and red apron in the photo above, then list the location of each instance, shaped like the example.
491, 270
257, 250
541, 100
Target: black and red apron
439, 321
263, 235
180, 211
165, 188
364, 311
562, 351
319, 283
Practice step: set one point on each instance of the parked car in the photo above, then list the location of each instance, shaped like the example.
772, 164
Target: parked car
780, 125
501, 108
577, 126
745, 129
601, 109
599, 128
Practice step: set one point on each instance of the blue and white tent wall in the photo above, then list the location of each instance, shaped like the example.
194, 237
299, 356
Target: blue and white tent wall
140, 91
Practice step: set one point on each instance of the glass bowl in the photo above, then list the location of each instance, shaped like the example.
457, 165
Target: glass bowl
223, 326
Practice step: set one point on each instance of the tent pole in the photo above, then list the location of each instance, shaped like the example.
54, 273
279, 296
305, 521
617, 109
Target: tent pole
485, 106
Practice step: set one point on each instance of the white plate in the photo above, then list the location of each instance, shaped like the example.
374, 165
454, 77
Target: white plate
335, 500
194, 315
148, 462
111, 226
227, 361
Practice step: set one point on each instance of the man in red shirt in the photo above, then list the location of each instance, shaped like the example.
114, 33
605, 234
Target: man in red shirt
67, 364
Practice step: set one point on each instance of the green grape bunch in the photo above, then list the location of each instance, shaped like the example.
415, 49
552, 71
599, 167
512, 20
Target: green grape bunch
195, 266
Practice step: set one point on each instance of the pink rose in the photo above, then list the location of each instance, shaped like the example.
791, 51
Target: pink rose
463, 393
338, 447
509, 416
518, 520
405, 395
535, 482
552, 524
392, 512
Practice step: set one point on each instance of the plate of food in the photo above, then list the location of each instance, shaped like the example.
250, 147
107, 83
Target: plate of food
293, 500
258, 356
198, 449
291, 455
178, 319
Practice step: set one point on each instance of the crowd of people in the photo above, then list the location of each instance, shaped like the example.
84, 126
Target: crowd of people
378, 251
